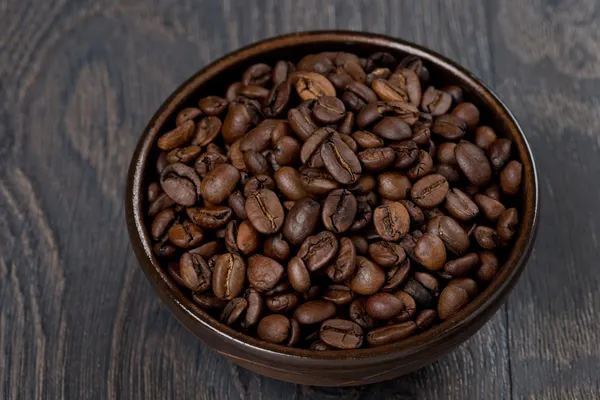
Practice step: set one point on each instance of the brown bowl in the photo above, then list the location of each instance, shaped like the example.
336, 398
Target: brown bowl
331, 368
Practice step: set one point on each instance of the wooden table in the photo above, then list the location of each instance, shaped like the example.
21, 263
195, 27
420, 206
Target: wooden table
80, 78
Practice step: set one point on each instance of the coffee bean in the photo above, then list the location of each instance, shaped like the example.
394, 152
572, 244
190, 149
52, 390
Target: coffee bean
233, 311
187, 114
367, 140
508, 223
423, 297
377, 159
368, 277
228, 276
208, 249
181, 184
265, 211
473, 163
423, 166
456, 92
430, 252
277, 248
396, 276
263, 272
460, 205
255, 308
345, 263
384, 306
484, 137
281, 71
357, 95
499, 153
462, 266
391, 221
194, 272
219, 183
239, 119
487, 237
206, 162
510, 177
467, 284
184, 155
177, 137
489, 266
341, 334
212, 105
298, 275
360, 244
393, 185
339, 294
161, 222
289, 183
468, 112
452, 300
340, 161
318, 250
386, 91
391, 333
209, 218
301, 122
302, 220
318, 182
311, 85
329, 110
425, 319
256, 163
206, 131
435, 102
492, 209
247, 239
387, 254
429, 191
286, 150
274, 328
450, 232
339, 210
186, 234
237, 202
209, 302
283, 286
407, 153
375, 111
315, 311
364, 185
449, 127
283, 303
256, 183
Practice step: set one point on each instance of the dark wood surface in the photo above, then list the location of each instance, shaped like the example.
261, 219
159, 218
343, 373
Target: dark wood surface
78, 81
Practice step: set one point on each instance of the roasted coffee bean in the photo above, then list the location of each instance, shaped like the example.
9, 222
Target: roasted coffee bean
237, 203
174, 272
281, 71
187, 114
445, 153
263, 272
283, 286
209, 218
489, 266
484, 137
208, 249
339, 294
265, 211
387, 254
435, 102
178, 137
318, 250
329, 110
239, 119
357, 95
468, 112
367, 140
345, 263
466, 283
298, 275
452, 300
430, 252
181, 183
207, 161
508, 223
387, 91
257, 74
274, 328
340, 160
473, 163
219, 183
492, 209
396, 276
456, 92
377, 73
391, 221
277, 248
462, 266
450, 172
186, 234
510, 177
429, 191
209, 301
452, 234
392, 128
409, 307
499, 153
407, 153
341, 334
377, 159
368, 277
318, 182
283, 303
233, 311
393, 185
164, 249
460, 205
315, 311
301, 122
384, 306
286, 151
289, 183
449, 127
358, 314
487, 237
194, 272
184, 155
339, 210
423, 297
247, 240
207, 130
311, 85
257, 164
154, 190
161, 223
254, 310
229, 276
391, 333
422, 167
373, 112
231, 233
425, 319
302, 220
212, 105
257, 183
492, 191
364, 185
360, 244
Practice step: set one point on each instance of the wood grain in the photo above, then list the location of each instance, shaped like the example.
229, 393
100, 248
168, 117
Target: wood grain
78, 81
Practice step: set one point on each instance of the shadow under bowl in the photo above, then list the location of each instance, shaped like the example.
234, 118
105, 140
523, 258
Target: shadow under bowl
330, 368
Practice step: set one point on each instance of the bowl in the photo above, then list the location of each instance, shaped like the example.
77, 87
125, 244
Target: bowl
331, 368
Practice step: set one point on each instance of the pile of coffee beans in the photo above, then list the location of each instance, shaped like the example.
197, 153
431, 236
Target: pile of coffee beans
336, 203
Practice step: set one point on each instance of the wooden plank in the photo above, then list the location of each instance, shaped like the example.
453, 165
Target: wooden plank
547, 70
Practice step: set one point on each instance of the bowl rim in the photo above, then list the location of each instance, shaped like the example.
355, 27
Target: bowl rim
435, 338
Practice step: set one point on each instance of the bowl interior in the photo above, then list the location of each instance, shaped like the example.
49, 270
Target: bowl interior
215, 78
